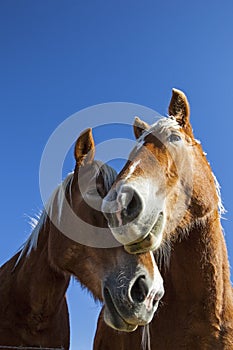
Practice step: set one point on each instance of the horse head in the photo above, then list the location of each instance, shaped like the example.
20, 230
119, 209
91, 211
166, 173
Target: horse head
130, 286
165, 184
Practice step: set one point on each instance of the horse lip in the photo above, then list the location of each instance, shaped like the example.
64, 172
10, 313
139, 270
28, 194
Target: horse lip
147, 242
119, 322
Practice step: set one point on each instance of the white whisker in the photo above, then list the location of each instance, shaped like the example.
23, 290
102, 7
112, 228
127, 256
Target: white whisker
146, 345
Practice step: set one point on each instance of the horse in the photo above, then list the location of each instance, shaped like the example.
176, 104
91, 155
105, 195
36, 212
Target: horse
168, 200
33, 307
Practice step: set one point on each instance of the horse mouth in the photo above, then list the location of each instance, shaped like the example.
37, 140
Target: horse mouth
150, 241
112, 316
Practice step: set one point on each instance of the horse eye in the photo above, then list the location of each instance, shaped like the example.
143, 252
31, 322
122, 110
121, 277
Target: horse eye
174, 138
92, 192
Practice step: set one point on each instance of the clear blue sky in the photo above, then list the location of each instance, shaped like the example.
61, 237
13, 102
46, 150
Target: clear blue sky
59, 56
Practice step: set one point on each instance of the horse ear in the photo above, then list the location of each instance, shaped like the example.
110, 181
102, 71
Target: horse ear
179, 109
139, 127
84, 150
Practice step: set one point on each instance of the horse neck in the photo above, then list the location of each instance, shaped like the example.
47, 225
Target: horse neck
38, 284
198, 276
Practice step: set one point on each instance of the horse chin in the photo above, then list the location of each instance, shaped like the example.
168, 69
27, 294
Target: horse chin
115, 321
151, 241
112, 316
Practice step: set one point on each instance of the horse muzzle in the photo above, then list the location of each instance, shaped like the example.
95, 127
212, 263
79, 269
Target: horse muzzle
131, 304
133, 220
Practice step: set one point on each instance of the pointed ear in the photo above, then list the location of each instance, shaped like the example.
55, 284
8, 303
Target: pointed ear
179, 109
84, 150
139, 127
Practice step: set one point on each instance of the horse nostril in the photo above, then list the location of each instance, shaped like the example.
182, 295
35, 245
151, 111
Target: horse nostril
132, 209
139, 290
122, 207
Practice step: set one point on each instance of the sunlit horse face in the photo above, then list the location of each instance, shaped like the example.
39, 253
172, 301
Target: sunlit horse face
130, 286
150, 197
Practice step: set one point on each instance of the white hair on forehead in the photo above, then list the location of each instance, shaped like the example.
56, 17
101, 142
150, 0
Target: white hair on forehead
165, 123
162, 125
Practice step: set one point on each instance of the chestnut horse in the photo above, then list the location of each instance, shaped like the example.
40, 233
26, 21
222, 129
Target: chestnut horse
168, 199
33, 308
